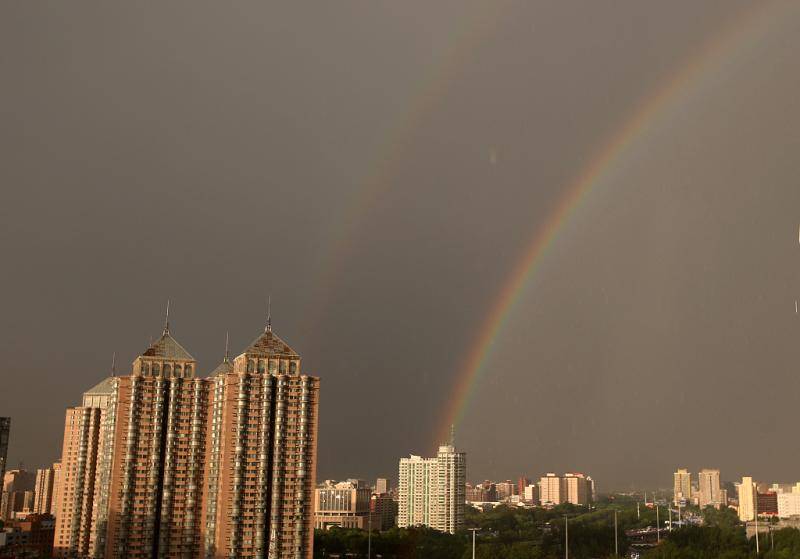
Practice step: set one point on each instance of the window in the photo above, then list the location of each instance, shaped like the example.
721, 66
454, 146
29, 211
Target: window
293, 367
250, 366
145, 369
156, 369
167, 369
261, 366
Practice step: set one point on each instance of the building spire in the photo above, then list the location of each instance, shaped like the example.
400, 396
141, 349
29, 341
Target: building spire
226, 359
166, 320
114, 364
452, 435
269, 313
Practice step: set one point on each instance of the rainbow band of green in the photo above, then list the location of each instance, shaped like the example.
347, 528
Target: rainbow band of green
747, 24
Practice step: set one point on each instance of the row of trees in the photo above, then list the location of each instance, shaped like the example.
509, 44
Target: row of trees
515, 533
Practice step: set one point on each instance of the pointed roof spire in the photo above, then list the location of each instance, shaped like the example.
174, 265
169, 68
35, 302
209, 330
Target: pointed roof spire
226, 359
114, 364
269, 314
452, 435
166, 320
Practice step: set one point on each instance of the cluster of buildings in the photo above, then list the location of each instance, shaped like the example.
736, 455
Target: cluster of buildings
750, 498
707, 492
551, 490
760, 499
25, 506
163, 463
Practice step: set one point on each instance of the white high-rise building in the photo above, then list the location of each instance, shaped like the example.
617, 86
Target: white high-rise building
682, 486
710, 491
789, 502
433, 490
747, 499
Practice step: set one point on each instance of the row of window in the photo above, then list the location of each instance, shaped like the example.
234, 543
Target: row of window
261, 366
167, 370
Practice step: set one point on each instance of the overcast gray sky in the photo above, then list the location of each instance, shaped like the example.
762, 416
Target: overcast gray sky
379, 168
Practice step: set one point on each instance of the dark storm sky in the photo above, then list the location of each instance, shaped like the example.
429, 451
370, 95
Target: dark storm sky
378, 168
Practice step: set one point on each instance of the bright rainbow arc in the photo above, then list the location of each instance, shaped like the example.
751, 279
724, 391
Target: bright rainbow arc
647, 111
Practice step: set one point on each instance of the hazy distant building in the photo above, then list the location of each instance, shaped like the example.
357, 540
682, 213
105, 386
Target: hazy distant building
43, 491
5, 433
552, 490
710, 494
16, 484
433, 490
19, 480
56, 482
505, 489
162, 463
531, 494
682, 486
578, 489
522, 483
747, 499
382, 485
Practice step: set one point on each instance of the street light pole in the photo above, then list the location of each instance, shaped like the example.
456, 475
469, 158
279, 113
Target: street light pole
473, 530
616, 535
369, 533
566, 537
658, 525
755, 491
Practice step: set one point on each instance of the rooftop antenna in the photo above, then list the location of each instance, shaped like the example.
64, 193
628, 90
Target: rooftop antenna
114, 364
225, 360
166, 320
269, 314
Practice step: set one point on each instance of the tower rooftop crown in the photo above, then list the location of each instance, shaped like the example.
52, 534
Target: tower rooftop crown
269, 344
166, 347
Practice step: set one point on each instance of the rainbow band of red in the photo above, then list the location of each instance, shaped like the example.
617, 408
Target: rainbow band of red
750, 23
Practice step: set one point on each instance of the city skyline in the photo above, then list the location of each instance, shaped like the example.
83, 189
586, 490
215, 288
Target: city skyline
570, 231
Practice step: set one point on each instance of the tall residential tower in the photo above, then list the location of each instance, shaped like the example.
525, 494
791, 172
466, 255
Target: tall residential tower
433, 490
163, 463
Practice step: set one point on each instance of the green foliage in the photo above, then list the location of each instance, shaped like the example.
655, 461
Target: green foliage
516, 533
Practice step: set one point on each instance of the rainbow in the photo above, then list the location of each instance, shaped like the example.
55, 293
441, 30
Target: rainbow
430, 92
749, 24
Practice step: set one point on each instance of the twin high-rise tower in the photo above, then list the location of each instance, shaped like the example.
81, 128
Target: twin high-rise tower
163, 463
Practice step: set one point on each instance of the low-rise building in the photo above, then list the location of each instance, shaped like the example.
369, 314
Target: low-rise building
30, 537
344, 505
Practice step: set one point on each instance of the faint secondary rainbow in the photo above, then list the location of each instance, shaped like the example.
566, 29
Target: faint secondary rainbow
748, 24
430, 92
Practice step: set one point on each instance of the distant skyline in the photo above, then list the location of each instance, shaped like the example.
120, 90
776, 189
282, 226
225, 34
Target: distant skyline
381, 171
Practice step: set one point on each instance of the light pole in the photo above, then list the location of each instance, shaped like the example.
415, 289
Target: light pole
369, 532
755, 503
616, 535
566, 537
658, 525
473, 530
